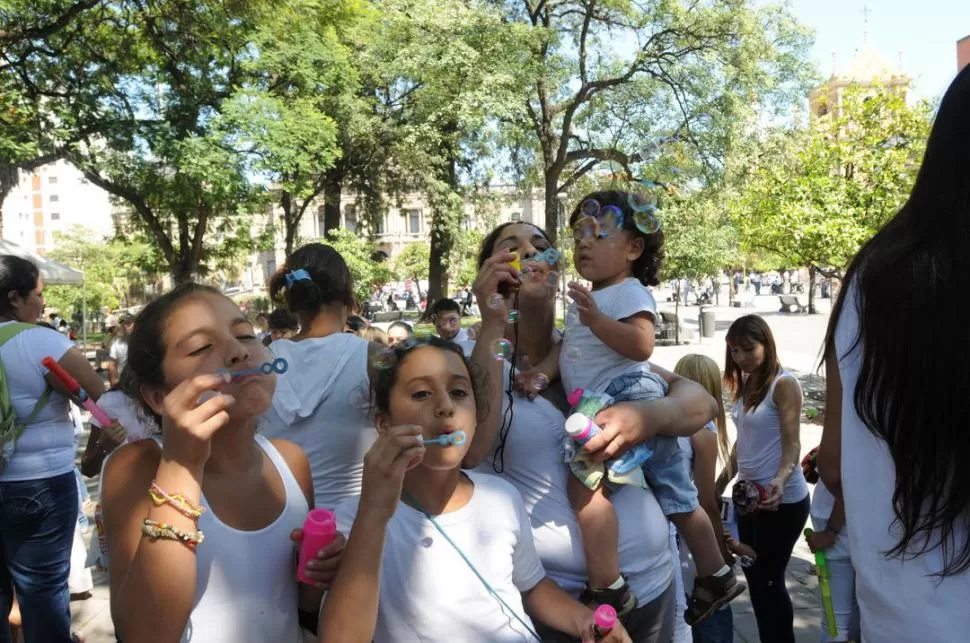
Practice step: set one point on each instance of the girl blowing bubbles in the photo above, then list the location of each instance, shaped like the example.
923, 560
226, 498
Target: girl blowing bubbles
459, 562
198, 523
609, 338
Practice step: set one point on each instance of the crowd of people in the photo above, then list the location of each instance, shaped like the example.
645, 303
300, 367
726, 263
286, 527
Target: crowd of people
503, 486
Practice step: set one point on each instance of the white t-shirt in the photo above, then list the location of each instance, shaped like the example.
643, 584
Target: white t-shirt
585, 361
46, 447
428, 593
322, 403
129, 412
899, 600
759, 444
119, 352
534, 465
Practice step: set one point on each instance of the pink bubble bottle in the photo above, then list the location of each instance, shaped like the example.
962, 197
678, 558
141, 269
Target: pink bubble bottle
319, 530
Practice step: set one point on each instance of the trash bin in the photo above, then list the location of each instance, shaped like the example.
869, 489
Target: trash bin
706, 321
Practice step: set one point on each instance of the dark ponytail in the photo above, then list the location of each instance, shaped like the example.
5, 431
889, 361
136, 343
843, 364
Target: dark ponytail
314, 276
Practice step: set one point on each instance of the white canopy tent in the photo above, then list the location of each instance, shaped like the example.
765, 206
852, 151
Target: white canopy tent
50, 271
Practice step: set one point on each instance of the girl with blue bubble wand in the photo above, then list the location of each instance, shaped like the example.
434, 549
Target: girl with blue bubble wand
459, 562
602, 360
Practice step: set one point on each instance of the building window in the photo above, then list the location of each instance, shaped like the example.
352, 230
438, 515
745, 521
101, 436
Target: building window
55, 216
414, 221
516, 217
350, 217
52, 179
270, 268
379, 224
321, 221
54, 198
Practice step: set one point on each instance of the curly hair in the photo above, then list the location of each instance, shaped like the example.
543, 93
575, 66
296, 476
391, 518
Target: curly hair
646, 268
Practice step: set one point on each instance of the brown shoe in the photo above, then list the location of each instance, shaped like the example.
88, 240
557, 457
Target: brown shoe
620, 599
710, 594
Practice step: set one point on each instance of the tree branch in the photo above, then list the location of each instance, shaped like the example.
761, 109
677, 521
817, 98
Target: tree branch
34, 33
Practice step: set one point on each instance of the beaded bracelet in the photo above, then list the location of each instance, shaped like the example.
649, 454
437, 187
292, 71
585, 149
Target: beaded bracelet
165, 531
178, 501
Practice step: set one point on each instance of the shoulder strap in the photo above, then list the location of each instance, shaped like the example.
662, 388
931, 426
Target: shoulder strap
8, 332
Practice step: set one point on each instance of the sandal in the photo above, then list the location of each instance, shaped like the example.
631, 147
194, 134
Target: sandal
710, 594
621, 599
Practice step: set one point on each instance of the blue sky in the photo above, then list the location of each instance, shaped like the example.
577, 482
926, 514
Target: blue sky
925, 31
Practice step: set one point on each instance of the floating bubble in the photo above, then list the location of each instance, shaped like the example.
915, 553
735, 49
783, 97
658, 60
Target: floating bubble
610, 220
496, 301
646, 222
512, 317
383, 359
590, 208
540, 382
551, 256
586, 228
676, 171
573, 354
501, 349
642, 201
552, 279
527, 272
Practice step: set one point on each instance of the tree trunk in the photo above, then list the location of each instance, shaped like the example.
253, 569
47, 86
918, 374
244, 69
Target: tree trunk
552, 203
332, 190
442, 242
811, 289
289, 225
677, 314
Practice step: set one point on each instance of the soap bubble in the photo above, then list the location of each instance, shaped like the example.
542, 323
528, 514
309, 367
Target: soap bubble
590, 208
383, 359
527, 272
646, 222
496, 301
501, 349
642, 201
540, 382
512, 317
610, 220
586, 228
552, 279
573, 354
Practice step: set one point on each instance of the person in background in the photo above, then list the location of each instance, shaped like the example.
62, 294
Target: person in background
895, 445
446, 314
280, 324
398, 332
375, 335
355, 324
322, 403
39, 508
118, 351
704, 450
767, 407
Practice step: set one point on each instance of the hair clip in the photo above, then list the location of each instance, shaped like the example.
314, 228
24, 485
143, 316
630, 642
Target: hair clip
296, 275
278, 366
448, 439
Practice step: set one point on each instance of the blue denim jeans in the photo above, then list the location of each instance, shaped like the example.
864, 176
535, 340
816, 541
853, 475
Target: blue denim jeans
37, 519
717, 628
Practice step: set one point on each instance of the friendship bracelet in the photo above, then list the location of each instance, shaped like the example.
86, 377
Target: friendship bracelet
178, 501
165, 531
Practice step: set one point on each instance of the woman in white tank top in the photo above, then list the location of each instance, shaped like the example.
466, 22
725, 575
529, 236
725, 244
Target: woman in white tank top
895, 442
767, 410
200, 524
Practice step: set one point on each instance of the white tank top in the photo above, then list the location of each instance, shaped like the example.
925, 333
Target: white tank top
246, 587
759, 444
898, 600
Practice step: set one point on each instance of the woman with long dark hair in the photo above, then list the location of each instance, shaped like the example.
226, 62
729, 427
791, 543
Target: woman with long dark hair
766, 411
895, 444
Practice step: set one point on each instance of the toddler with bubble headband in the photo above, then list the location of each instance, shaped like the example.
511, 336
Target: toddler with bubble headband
459, 562
602, 360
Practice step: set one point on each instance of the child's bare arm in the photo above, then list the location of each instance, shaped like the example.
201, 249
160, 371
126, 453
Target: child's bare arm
632, 337
534, 379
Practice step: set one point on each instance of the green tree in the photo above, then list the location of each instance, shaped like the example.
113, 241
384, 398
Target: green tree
692, 74
412, 263
359, 253
811, 196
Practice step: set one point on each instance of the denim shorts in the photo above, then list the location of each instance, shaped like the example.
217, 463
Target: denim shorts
667, 471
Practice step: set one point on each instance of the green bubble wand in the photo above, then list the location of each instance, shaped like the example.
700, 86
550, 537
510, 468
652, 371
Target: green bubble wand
822, 567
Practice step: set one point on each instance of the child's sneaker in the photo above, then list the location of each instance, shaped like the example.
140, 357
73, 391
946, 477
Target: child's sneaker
710, 594
621, 599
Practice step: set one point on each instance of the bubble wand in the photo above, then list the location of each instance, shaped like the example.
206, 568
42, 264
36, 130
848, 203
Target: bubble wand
448, 439
75, 389
278, 366
823, 583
